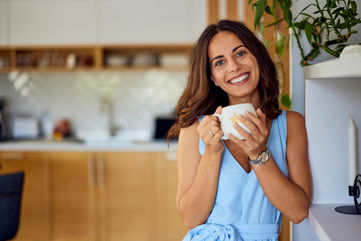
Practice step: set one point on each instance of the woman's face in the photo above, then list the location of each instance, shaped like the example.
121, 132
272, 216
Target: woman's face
233, 67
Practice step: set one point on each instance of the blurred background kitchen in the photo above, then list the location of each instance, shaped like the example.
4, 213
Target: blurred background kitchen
88, 90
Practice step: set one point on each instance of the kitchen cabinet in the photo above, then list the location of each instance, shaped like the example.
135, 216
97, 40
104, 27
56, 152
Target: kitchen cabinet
108, 21
113, 196
170, 225
72, 196
128, 197
34, 219
157, 21
3, 23
51, 22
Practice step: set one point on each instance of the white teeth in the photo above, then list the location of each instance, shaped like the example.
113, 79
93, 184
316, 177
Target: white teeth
239, 79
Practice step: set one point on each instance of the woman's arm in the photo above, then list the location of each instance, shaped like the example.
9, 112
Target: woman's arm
198, 175
289, 195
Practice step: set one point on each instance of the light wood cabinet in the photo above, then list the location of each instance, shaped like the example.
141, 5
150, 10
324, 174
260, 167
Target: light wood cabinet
100, 196
128, 197
137, 197
73, 196
34, 219
169, 223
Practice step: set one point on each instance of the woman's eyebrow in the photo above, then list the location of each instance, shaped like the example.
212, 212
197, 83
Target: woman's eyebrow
241, 45
233, 50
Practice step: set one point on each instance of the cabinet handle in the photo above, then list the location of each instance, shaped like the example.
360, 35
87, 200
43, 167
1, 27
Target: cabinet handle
91, 170
101, 170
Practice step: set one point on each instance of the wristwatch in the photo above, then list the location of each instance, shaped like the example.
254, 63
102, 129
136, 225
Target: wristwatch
262, 158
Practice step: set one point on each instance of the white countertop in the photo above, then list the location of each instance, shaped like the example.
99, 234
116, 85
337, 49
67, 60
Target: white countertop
42, 145
334, 226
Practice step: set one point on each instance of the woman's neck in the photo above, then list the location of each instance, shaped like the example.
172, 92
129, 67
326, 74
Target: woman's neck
253, 98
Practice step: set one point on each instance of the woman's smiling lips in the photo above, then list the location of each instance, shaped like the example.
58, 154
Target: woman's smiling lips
240, 79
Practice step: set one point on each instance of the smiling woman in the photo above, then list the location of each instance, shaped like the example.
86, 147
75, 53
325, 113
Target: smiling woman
238, 189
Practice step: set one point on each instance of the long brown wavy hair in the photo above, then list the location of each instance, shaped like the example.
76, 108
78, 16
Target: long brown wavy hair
202, 97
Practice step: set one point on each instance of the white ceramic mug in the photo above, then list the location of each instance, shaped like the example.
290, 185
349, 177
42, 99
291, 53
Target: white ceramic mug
229, 116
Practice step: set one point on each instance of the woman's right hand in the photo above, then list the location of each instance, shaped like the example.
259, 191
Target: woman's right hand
209, 130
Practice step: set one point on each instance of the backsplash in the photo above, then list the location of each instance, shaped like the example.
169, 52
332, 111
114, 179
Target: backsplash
131, 98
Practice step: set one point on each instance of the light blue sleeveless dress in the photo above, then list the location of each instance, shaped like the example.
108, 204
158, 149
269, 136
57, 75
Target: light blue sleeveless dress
241, 211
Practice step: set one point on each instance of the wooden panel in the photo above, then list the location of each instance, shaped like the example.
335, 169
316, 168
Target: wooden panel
213, 11
285, 234
34, 219
232, 10
170, 225
128, 197
72, 197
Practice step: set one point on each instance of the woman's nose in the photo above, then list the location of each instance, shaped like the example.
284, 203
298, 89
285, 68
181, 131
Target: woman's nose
233, 65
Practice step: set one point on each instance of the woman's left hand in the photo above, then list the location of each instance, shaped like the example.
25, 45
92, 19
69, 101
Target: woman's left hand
255, 142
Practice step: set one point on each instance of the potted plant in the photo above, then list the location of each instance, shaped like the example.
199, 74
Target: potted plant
327, 26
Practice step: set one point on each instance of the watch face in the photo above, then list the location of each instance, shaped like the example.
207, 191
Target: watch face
263, 156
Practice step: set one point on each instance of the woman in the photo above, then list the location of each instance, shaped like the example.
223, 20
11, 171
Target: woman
221, 195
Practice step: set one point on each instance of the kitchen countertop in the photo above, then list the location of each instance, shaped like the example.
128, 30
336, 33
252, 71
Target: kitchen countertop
44, 145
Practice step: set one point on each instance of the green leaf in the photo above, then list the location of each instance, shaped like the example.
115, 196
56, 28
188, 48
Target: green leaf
266, 43
308, 31
288, 4
340, 47
343, 25
313, 53
304, 9
280, 45
353, 6
261, 28
300, 25
286, 101
288, 17
274, 23
269, 10
261, 4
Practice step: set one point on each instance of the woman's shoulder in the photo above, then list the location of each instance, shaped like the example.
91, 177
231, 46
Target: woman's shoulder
294, 116
189, 131
295, 123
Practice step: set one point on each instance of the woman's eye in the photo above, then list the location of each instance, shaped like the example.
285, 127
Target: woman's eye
240, 53
218, 63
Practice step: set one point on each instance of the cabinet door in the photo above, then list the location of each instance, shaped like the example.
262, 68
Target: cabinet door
156, 21
34, 217
170, 225
3, 23
72, 192
51, 22
127, 196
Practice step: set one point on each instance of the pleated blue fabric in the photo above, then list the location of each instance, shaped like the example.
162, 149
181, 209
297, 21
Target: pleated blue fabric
241, 211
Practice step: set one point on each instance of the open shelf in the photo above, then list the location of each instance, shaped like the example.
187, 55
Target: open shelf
107, 57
